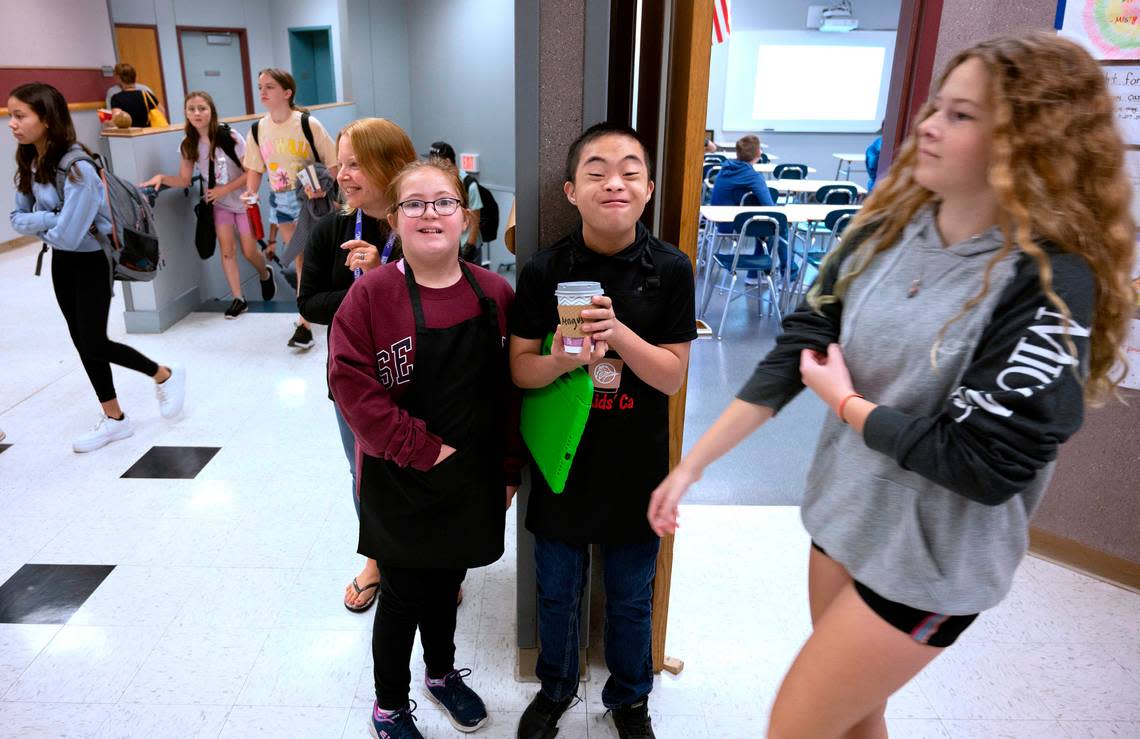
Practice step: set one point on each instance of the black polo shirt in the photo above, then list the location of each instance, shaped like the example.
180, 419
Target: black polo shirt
624, 452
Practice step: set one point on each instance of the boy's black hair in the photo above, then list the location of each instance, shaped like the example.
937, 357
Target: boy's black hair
596, 131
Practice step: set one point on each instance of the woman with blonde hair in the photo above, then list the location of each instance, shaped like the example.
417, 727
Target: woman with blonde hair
978, 301
370, 152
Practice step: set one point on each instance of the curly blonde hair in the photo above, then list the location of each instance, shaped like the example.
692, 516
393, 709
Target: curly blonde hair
1058, 171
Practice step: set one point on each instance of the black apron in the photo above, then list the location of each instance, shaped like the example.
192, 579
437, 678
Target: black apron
624, 451
452, 515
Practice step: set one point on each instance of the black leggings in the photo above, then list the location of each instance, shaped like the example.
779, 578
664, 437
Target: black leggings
83, 290
411, 597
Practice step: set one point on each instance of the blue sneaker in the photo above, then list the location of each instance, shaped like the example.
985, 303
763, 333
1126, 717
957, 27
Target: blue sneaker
398, 725
465, 709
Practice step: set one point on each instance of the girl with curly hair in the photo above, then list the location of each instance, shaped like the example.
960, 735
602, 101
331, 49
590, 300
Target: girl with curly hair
978, 301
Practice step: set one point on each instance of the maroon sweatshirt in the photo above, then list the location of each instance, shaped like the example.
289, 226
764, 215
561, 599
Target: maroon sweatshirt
372, 355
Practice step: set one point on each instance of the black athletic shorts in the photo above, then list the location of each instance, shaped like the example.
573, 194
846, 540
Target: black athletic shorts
935, 629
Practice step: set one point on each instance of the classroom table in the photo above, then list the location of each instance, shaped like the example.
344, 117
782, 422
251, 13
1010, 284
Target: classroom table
732, 155
846, 160
804, 187
796, 213
770, 168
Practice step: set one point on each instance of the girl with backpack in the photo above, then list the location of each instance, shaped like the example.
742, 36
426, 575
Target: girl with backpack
283, 142
217, 151
75, 227
978, 300
418, 367
347, 244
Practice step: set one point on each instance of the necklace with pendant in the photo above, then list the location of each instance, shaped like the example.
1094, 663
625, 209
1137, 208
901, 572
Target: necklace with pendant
915, 286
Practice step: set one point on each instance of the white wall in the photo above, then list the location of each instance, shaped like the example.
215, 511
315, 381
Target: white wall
56, 33
252, 15
814, 149
376, 59
463, 83
76, 35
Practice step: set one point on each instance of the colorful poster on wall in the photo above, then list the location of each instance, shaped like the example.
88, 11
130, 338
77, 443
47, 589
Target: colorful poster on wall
1109, 29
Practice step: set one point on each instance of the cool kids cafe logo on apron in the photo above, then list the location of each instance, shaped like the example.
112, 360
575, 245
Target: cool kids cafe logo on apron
606, 374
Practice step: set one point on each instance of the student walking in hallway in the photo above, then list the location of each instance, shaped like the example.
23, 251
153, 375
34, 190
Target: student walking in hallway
75, 220
979, 299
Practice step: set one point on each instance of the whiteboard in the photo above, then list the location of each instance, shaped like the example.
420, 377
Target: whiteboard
807, 81
1124, 85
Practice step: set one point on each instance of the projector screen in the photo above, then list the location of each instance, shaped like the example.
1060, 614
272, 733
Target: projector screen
807, 81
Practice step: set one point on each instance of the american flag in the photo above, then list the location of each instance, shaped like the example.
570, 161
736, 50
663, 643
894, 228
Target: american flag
722, 23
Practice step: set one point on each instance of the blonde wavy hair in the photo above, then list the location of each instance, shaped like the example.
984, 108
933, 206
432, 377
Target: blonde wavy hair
1058, 171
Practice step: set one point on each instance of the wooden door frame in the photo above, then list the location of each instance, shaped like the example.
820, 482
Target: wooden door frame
246, 72
158, 48
916, 43
687, 58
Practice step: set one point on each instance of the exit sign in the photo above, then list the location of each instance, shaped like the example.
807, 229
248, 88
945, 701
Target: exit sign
469, 162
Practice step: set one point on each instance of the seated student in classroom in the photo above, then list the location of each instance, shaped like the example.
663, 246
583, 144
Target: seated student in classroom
737, 178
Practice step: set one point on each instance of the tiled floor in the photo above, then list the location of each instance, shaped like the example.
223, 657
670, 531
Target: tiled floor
220, 614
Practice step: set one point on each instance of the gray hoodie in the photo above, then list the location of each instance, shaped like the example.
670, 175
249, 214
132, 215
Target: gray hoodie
930, 507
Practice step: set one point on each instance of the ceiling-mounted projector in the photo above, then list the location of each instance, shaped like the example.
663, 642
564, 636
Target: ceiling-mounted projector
838, 18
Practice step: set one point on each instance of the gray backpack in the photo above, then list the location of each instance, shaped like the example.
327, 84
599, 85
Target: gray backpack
132, 246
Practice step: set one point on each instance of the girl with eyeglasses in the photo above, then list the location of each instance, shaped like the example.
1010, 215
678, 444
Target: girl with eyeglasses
418, 368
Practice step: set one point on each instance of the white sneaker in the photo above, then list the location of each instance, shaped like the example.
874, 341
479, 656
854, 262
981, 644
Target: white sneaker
172, 392
104, 433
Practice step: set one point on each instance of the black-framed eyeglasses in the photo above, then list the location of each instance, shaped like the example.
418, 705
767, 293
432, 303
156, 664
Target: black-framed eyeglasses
415, 208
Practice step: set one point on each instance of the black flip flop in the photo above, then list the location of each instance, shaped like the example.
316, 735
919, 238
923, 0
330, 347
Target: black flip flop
374, 587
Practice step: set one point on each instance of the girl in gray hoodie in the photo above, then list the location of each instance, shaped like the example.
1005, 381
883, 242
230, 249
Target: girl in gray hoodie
979, 299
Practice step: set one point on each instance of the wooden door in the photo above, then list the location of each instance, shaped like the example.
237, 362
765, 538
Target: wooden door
138, 46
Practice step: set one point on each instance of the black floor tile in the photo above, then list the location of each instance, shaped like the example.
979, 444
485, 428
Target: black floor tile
172, 462
3, 447
48, 594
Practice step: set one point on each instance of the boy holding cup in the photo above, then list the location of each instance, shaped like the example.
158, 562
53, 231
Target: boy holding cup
636, 341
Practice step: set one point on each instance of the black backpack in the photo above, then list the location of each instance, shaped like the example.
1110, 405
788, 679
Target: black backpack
305, 128
225, 142
489, 215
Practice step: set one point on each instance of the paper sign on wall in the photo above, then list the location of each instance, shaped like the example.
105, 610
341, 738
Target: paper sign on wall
1124, 86
1132, 356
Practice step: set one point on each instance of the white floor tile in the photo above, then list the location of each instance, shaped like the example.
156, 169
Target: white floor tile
281, 721
1079, 682
143, 596
19, 645
916, 728
1101, 729
50, 720
197, 666
85, 664
994, 729
299, 667
138, 721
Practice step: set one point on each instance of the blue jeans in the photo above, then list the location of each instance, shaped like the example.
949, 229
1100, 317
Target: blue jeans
348, 441
562, 571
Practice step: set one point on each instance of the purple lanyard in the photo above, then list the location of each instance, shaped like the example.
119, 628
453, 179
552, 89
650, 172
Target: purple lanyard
357, 272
